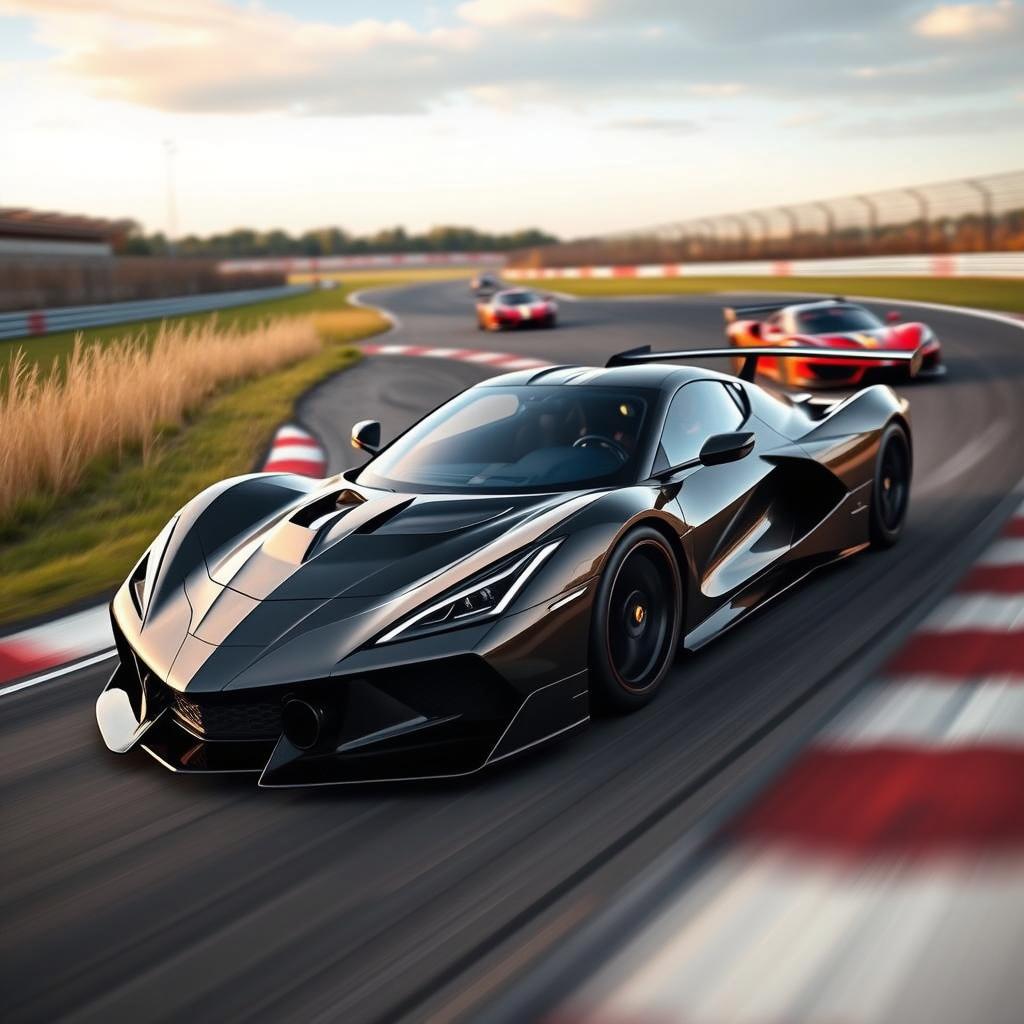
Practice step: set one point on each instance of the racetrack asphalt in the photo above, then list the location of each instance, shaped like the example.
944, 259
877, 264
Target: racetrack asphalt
132, 893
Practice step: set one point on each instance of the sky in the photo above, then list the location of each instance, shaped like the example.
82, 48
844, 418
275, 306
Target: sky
577, 116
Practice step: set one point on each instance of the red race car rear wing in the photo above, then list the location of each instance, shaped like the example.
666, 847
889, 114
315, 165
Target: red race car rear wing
751, 355
755, 312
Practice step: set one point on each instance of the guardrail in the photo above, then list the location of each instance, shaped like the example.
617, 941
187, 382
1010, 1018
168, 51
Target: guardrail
969, 264
35, 322
369, 261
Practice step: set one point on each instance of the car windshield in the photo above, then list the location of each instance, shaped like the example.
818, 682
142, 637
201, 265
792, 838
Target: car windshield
828, 319
518, 440
519, 298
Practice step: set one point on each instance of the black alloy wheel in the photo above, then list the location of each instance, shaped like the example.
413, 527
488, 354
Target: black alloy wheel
636, 622
890, 496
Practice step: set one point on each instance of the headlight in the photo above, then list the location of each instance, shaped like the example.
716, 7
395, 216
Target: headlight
141, 581
486, 598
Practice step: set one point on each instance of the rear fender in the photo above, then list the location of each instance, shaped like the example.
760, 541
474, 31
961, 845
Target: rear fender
846, 440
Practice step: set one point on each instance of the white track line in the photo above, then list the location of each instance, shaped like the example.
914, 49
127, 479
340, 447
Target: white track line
64, 670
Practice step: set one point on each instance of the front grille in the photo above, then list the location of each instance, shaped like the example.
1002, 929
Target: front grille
220, 719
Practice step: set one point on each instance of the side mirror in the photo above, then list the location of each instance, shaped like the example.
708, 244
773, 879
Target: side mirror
894, 316
366, 436
754, 330
721, 448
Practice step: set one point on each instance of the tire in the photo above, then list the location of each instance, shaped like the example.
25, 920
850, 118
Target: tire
890, 491
636, 622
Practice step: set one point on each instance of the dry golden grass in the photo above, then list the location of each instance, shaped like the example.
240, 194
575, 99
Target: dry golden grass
121, 398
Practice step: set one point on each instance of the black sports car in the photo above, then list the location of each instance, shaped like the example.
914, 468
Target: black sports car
530, 552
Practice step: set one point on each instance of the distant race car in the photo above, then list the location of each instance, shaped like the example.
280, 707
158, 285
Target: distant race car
531, 552
831, 324
484, 284
516, 307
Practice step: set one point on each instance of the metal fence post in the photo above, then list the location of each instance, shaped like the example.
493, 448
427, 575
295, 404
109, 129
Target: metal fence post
986, 209
923, 203
872, 208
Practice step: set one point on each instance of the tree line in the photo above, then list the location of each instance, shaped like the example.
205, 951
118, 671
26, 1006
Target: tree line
333, 241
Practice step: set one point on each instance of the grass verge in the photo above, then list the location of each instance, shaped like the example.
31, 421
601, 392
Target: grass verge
980, 293
87, 544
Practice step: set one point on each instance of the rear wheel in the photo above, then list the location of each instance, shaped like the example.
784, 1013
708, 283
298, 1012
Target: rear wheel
636, 622
890, 495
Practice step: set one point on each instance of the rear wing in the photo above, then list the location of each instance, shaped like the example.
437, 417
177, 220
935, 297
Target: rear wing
755, 312
750, 356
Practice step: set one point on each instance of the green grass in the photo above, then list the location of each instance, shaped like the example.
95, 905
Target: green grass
44, 350
981, 293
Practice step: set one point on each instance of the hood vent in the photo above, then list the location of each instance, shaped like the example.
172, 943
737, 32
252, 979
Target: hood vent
374, 524
326, 505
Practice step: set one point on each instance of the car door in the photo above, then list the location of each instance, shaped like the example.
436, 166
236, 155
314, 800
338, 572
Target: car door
737, 521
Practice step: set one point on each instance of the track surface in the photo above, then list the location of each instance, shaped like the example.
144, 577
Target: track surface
129, 892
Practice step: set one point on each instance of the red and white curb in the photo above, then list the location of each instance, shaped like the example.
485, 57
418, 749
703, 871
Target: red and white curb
881, 878
295, 450
499, 360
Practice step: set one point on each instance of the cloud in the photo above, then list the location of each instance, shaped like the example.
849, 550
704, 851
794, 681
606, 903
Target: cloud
717, 88
966, 21
213, 56
208, 55
656, 125
494, 13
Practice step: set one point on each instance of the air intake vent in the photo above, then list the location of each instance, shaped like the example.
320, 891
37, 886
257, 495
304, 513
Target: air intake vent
325, 505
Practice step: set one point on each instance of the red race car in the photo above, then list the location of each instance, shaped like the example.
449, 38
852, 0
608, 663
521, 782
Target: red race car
831, 323
517, 307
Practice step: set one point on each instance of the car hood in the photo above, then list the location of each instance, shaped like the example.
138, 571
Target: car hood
360, 543
295, 593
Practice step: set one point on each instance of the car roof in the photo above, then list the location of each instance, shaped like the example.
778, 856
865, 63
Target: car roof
661, 376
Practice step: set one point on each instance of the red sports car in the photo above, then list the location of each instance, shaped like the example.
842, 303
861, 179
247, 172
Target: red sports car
517, 307
831, 323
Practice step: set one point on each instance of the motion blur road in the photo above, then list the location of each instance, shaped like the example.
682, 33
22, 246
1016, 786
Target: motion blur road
132, 893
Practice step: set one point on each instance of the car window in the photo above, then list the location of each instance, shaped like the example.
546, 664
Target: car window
519, 298
827, 319
698, 410
519, 439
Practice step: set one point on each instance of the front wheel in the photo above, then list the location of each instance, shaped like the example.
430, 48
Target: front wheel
890, 494
636, 622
